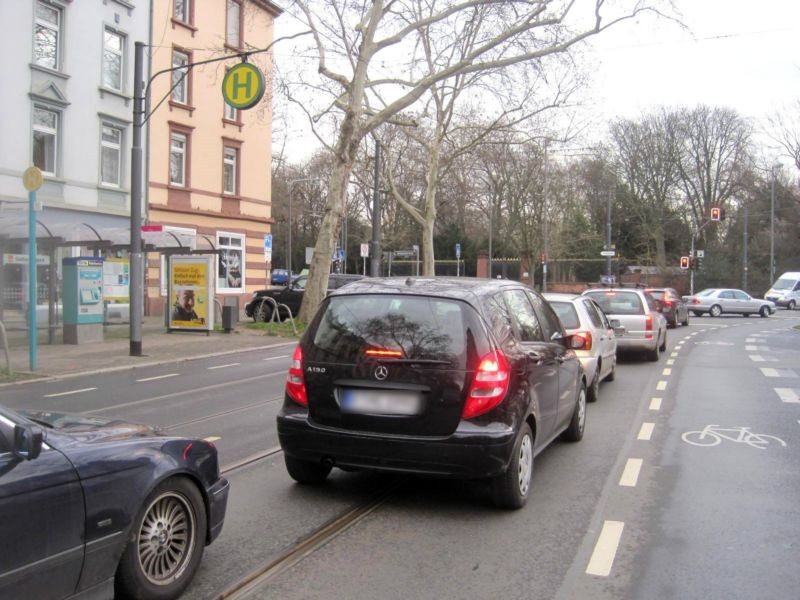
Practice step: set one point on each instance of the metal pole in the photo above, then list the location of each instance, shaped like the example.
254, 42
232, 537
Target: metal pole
137, 267
289, 237
491, 218
375, 244
32, 356
772, 231
691, 271
744, 252
546, 244
608, 234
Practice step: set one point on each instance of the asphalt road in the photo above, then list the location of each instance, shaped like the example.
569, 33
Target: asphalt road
691, 521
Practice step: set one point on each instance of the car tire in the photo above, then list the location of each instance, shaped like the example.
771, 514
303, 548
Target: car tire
156, 563
654, 354
577, 425
697, 313
791, 305
512, 488
263, 314
685, 322
764, 312
593, 393
715, 310
306, 472
663, 347
612, 375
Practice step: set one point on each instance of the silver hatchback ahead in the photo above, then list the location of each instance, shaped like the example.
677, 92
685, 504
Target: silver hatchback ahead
645, 326
583, 317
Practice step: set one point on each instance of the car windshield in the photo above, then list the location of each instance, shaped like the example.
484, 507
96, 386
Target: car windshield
783, 284
567, 313
706, 292
619, 303
413, 327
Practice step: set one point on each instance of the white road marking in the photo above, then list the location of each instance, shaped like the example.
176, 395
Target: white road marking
223, 366
674, 354
667, 371
646, 432
655, 403
605, 550
212, 438
276, 357
788, 395
759, 358
767, 372
70, 392
661, 386
157, 377
750, 340
787, 373
630, 475
757, 348
670, 361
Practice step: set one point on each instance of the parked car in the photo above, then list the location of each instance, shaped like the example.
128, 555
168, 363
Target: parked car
95, 508
458, 377
718, 301
672, 305
645, 326
785, 291
291, 296
582, 316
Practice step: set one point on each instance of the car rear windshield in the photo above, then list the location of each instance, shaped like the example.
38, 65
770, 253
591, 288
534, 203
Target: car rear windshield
706, 292
567, 313
404, 327
657, 294
619, 303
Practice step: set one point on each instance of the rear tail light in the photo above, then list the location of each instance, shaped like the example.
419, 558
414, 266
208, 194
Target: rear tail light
489, 386
695, 301
582, 340
295, 383
648, 326
668, 303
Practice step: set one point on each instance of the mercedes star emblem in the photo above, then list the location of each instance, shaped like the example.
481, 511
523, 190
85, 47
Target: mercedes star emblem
381, 373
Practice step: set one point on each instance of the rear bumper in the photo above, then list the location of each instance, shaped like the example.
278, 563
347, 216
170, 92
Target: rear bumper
217, 503
636, 344
470, 452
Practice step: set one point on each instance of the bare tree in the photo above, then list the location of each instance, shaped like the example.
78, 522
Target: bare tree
784, 128
363, 97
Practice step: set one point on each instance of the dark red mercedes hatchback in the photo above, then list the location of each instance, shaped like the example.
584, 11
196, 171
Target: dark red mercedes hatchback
466, 378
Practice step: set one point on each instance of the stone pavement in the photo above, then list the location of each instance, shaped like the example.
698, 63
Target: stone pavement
158, 346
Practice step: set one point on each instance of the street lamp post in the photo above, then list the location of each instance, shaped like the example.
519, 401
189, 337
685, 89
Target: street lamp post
772, 225
289, 227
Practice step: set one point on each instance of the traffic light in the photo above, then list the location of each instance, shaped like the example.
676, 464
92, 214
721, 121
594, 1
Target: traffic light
684, 262
717, 214
694, 263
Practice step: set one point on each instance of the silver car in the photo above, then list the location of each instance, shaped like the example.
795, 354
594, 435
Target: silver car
645, 326
582, 316
718, 301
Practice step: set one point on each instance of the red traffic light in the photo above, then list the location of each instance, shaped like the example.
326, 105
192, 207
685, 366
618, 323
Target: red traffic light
716, 213
684, 262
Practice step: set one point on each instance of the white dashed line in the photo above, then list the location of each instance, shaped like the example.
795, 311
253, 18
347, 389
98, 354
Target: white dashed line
156, 377
605, 550
661, 386
667, 371
276, 357
223, 366
759, 358
212, 438
788, 395
646, 432
655, 404
757, 348
674, 354
70, 392
750, 340
767, 372
630, 475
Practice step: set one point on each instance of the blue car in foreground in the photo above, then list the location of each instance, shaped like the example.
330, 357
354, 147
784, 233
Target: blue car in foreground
97, 508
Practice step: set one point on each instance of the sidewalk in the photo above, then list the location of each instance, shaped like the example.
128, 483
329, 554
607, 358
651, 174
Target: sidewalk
158, 346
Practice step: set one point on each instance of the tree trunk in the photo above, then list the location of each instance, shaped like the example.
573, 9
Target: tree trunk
661, 252
431, 183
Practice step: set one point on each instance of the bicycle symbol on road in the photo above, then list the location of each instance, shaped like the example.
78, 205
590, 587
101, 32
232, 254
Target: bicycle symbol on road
712, 435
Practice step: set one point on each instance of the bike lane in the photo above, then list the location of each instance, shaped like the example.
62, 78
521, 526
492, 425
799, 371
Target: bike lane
721, 517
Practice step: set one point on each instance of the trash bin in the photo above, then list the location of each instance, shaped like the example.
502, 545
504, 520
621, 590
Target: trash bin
228, 318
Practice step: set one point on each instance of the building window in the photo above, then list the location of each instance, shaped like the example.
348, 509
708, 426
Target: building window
178, 143
45, 139
183, 11
47, 36
229, 265
231, 114
113, 59
180, 77
229, 159
111, 155
233, 36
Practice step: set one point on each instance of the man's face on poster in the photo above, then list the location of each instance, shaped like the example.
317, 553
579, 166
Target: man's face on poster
187, 300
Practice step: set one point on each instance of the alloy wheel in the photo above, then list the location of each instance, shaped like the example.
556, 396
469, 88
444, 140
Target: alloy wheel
166, 538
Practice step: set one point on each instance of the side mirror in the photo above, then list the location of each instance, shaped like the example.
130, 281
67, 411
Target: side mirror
617, 327
27, 441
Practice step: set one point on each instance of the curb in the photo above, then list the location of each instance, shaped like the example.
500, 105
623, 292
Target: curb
61, 376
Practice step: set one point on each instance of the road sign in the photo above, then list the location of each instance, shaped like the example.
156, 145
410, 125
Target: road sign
458, 250
700, 253
608, 253
364, 250
243, 86
607, 279
267, 247
32, 179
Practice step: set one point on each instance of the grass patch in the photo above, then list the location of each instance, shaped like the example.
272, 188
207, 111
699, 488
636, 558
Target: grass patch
283, 329
6, 377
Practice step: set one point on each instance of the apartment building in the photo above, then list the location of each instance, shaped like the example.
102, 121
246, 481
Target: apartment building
209, 164
66, 81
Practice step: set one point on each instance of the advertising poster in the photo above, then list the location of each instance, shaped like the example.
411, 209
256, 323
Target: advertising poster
116, 279
230, 269
190, 293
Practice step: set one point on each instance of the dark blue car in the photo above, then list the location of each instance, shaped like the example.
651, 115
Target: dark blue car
95, 508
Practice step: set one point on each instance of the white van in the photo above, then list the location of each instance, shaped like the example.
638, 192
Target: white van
786, 291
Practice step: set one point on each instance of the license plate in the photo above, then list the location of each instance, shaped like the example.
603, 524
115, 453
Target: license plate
379, 402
